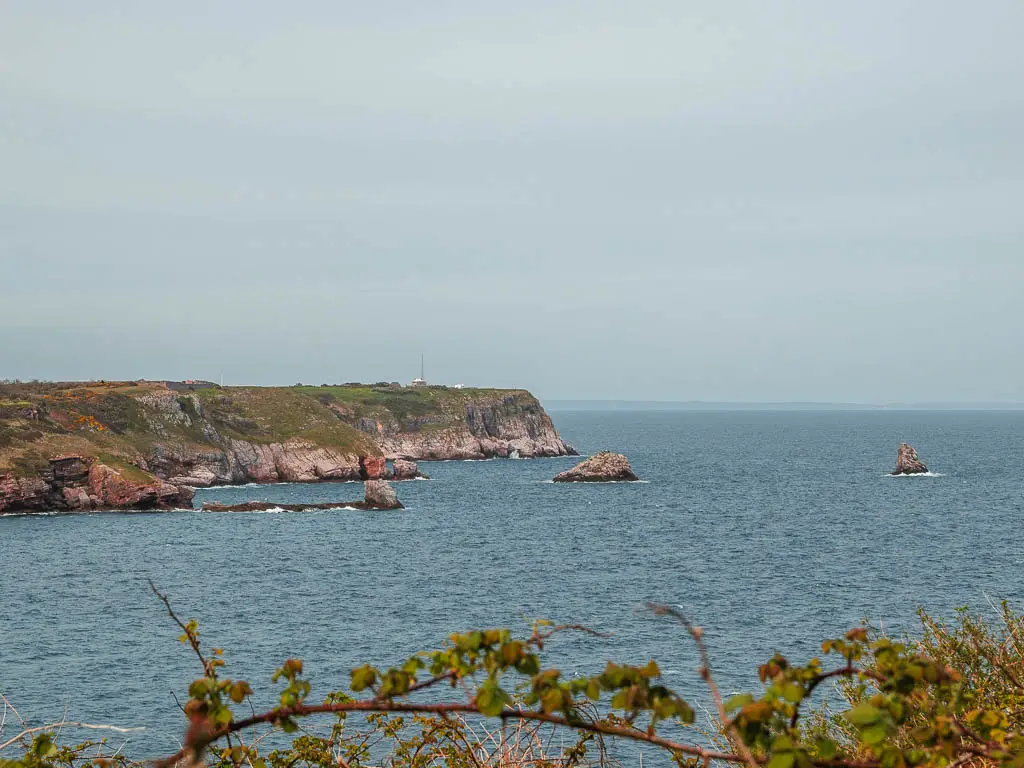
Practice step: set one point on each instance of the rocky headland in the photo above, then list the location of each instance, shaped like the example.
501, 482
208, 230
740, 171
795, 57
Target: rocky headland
604, 467
908, 463
146, 445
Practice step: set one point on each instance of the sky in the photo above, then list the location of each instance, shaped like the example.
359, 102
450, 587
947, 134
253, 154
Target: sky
724, 201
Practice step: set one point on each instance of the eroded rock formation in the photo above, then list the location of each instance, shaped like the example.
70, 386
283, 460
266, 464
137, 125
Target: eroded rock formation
406, 470
605, 467
81, 483
489, 424
908, 463
380, 495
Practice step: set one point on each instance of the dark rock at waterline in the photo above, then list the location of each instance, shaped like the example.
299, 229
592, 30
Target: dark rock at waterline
379, 495
605, 467
907, 462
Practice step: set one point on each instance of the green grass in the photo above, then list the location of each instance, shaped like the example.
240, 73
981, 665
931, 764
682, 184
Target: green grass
127, 470
325, 416
29, 464
275, 415
404, 405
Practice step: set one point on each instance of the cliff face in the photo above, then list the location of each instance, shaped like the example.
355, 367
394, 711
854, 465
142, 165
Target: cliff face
83, 483
481, 424
146, 445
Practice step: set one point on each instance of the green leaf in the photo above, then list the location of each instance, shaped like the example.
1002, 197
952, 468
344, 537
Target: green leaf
650, 670
782, 743
551, 700
528, 665
782, 760
864, 714
491, 699
827, 749
738, 701
874, 734
44, 746
793, 692
363, 677
239, 690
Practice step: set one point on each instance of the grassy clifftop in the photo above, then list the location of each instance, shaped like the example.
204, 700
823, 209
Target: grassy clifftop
126, 421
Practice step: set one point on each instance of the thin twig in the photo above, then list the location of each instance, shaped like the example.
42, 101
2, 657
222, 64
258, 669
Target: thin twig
11, 706
193, 641
68, 723
697, 634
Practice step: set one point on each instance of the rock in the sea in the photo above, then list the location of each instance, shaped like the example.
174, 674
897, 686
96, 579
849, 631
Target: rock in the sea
605, 467
907, 462
407, 470
265, 506
380, 495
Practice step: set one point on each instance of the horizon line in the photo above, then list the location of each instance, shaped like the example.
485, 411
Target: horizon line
816, 404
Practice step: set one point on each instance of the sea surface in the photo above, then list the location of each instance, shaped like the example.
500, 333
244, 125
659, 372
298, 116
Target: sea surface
772, 530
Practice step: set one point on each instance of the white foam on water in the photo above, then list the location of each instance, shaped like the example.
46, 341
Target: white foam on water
604, 482
918, 474
271, 511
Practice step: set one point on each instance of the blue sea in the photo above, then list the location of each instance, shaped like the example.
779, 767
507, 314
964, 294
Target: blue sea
772, 530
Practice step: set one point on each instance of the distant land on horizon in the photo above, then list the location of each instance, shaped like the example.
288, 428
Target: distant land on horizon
710, 405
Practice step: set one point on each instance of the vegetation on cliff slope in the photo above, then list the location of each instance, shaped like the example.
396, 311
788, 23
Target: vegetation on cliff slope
952, 697
126, 420
414, 408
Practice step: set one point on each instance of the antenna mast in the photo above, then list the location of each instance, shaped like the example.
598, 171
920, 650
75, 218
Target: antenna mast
422, 368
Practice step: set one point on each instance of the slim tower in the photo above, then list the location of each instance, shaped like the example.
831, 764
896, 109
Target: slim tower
422, 368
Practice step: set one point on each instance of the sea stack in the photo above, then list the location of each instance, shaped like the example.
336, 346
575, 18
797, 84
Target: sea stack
907, 462
380, 495
605, 467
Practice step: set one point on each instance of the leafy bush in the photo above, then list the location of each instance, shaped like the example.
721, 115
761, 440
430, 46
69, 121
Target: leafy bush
951, 698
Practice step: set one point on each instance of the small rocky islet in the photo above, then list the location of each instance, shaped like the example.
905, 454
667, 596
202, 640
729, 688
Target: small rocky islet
604, 467
908, 462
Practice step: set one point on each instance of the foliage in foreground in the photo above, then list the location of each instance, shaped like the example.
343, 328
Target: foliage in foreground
954, 697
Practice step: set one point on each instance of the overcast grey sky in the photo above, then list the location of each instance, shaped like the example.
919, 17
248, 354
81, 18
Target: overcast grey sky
669, 200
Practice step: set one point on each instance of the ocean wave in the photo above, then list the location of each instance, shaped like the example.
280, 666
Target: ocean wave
257, 485
282, 510
918, 474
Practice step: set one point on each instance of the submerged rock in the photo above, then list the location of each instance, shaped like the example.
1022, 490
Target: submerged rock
379, 495
263, 506
605, 467
907, 462
406, 470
